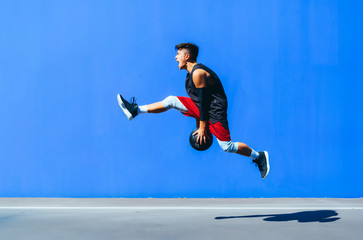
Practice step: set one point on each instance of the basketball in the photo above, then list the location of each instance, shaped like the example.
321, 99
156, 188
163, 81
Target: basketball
197, 146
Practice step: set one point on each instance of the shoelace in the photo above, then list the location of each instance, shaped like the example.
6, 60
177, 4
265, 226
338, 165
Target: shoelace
133, 100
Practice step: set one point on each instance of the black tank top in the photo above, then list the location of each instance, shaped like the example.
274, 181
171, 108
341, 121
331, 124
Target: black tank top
217, 97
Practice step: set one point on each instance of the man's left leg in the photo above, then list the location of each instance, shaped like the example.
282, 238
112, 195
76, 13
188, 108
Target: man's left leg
224, 139
260, 158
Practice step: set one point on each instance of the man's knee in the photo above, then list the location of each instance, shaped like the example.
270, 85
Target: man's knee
174, 102
169, 102
228, 146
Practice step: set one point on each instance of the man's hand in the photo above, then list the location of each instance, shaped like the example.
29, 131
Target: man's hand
202, 133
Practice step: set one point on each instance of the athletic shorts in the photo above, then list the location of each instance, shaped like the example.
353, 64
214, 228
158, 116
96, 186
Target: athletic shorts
216, 129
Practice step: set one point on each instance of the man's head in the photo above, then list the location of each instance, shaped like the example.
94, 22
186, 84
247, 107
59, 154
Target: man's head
187, 52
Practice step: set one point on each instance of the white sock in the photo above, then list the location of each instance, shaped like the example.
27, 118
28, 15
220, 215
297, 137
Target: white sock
254, 154
142, 109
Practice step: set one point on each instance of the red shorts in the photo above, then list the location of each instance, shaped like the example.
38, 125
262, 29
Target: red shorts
216, 129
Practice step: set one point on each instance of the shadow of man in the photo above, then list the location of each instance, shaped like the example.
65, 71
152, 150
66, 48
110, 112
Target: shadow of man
322, 216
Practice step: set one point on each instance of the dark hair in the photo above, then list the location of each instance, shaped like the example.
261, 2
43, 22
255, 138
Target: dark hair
192, 49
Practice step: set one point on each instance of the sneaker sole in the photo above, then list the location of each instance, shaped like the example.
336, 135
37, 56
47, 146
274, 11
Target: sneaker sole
268, 164
123, 107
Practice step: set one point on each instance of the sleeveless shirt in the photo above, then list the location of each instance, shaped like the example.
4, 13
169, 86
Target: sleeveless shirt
217, 99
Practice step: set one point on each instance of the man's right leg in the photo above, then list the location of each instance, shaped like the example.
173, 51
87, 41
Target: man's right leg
157, 107
132, 109
166, 104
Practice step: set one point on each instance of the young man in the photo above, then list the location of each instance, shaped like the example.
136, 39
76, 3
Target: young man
207, 104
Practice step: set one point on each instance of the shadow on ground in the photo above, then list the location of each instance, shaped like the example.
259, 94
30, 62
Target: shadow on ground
322, 216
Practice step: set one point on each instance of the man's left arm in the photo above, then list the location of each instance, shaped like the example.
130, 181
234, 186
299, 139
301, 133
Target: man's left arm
200, 82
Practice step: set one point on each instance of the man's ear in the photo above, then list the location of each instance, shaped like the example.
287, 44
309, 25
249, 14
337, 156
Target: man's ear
187, 56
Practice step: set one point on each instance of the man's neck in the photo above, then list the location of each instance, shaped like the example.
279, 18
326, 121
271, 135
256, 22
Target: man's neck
190, 66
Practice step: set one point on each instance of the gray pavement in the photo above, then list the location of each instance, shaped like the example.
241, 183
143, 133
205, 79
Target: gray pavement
115, 218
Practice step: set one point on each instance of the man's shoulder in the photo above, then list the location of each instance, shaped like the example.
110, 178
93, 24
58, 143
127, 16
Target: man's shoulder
199, 72
199, 69
204, 68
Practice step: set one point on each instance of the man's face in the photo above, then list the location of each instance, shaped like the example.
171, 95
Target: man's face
182, 57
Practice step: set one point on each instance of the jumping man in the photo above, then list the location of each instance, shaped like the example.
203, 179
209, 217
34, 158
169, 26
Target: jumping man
207, 104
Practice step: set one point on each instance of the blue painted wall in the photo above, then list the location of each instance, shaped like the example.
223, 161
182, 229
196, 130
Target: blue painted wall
292, 71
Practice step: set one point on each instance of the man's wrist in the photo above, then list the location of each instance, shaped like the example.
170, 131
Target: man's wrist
203, 125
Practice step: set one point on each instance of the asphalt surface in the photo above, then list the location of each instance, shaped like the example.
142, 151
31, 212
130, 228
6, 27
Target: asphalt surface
70, 218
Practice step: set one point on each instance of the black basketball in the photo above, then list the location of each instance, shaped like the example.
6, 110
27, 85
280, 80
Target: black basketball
197, 146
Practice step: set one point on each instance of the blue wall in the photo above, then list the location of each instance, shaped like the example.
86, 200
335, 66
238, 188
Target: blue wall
292, 71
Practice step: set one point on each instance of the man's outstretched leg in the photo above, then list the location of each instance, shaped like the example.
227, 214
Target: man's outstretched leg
131, 110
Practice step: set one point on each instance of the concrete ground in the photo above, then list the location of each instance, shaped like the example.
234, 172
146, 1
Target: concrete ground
170, 219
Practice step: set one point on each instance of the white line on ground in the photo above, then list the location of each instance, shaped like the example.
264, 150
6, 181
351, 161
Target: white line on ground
182, 208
